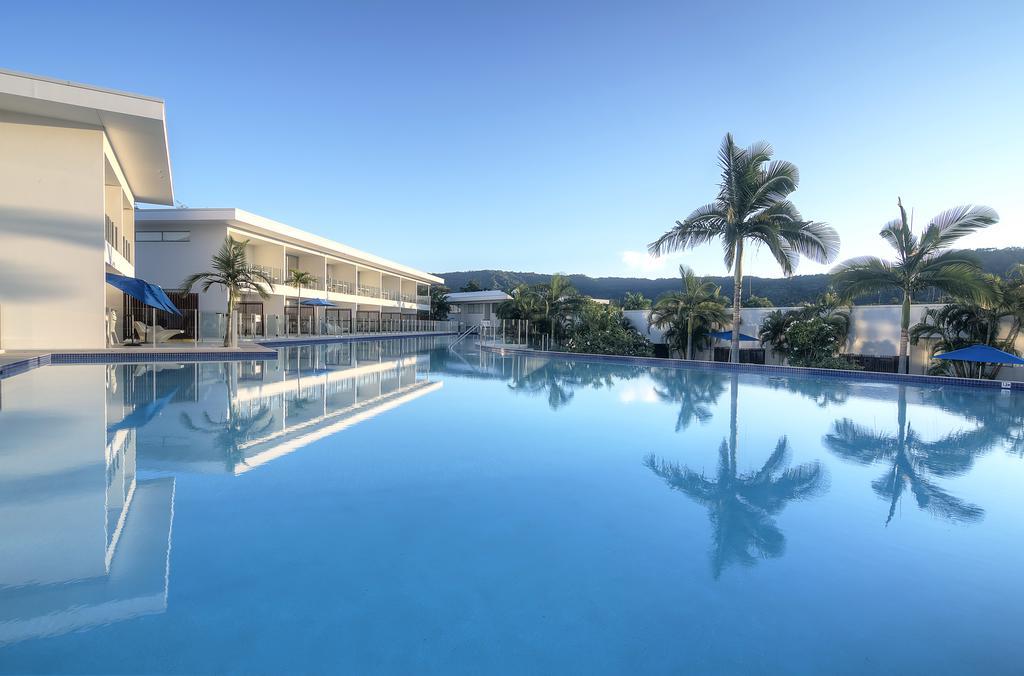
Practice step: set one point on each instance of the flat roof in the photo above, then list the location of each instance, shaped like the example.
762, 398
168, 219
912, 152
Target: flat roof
135, 125
260, 225
477, 296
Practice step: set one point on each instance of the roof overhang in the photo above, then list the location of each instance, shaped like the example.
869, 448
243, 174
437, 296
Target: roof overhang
134, 124
258, 225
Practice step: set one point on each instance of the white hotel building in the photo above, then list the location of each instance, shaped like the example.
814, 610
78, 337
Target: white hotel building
74, 162
368, 293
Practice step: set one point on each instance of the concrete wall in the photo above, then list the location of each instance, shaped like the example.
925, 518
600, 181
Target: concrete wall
167, 263
51, 217
875, 331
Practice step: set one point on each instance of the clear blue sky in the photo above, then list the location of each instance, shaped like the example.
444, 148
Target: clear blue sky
543, 136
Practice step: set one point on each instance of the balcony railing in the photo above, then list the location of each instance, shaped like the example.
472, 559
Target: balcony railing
370, 291
339, 286
423, 300
273, 273
408, 298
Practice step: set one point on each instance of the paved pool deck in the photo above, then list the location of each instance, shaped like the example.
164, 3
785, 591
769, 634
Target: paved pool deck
13, 362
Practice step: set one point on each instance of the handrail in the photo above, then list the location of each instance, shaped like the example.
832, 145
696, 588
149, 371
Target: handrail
462, 336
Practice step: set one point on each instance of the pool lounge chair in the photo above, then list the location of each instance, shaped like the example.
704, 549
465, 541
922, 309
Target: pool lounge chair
162, 335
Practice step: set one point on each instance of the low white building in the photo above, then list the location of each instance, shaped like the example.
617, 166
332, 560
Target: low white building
74, 160
475, 308
368, 293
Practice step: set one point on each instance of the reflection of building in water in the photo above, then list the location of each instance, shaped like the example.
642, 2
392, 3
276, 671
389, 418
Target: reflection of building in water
86, 540
238, 416
86, 501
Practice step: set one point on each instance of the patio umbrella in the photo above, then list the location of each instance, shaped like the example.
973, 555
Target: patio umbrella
150, 294
982, 353
315, 303
727, 335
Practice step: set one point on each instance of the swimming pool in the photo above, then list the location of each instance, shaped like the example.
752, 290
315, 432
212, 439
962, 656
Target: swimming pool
396, 507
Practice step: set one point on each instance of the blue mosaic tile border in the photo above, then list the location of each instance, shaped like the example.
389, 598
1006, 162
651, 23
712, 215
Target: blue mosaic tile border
345, 339
765, 369
141, 356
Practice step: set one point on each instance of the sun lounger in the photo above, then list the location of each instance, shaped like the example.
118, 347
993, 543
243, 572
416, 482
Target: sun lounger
163, 335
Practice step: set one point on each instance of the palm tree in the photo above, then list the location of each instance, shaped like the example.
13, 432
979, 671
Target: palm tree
690, 313
828, 308
559, 301
232, 271
299, 279
922, 263
635, 300
909, 460
752, 207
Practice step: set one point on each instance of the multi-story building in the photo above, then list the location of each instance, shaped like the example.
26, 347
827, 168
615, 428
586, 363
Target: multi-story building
475, 308
74, 160
367, 293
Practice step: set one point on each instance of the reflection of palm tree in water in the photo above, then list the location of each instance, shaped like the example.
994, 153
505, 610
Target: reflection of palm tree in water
696, 392
742, 505
559, 378
237, 427
911, 459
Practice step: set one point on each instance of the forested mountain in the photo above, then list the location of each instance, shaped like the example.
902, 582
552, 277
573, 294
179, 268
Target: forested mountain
780, 291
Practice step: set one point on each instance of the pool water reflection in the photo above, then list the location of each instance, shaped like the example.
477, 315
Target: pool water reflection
395, 506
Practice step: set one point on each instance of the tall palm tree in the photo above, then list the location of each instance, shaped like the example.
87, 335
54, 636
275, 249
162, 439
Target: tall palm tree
752, 208
299, 279
694, 311
232, 271
922, 262
909, 460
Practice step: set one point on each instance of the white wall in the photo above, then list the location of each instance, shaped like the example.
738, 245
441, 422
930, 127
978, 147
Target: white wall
168, 263
51, 222
875, 330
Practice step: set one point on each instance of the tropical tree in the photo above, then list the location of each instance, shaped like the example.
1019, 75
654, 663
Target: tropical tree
922, 262
524, 304
560, 302
909, 460
752, 208
231, 270
635, 300
690, 314
299, 279
439, 305
757, 301
810, 335
602, 329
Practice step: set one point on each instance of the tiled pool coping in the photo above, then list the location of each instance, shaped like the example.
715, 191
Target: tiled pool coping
14, 368
764, 369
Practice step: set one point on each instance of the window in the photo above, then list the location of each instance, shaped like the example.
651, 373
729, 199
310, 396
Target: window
163, 236
291, 262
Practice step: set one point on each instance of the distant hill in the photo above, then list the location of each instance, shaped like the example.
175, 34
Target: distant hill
780, 291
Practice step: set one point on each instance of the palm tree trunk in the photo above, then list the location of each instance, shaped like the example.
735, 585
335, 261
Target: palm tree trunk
904, 363
737, 302
229, 333
689, 338
298, 311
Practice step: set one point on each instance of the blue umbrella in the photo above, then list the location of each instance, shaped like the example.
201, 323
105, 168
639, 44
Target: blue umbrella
318, 302
150, 294
981, 353
727, 335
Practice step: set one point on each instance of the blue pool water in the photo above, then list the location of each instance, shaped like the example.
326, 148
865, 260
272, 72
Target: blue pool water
395, 507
